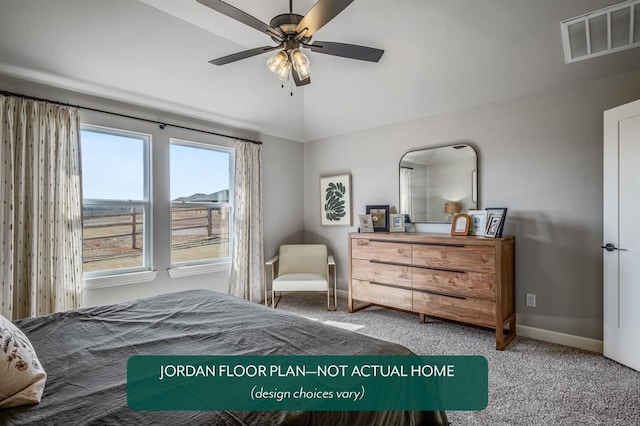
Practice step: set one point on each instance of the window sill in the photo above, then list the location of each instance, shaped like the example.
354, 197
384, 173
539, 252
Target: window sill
185, 271
120, 279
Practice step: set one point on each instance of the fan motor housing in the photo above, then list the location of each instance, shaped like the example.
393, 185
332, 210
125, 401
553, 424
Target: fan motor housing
288, 22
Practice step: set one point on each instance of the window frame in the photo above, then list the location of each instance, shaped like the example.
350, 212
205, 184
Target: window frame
133, 273
192, 267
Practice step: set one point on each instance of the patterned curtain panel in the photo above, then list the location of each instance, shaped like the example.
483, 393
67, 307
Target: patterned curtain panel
40, 208
247, 272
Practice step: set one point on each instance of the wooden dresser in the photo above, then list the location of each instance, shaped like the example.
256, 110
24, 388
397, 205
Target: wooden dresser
464, 279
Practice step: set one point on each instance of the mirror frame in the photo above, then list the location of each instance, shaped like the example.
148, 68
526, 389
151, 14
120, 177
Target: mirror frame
475, 193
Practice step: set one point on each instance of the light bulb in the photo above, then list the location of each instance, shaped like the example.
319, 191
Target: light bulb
279, 65
301, 64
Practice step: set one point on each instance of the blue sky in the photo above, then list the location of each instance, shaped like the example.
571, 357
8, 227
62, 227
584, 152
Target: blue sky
112, 168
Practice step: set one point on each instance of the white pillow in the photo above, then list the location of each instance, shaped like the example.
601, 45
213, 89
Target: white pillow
22, 378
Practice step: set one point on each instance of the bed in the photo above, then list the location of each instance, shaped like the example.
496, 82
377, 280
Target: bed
85, 353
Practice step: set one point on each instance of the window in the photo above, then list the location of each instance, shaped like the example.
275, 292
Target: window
116, 205
200, 177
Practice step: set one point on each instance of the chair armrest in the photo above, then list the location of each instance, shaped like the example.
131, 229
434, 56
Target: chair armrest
330, 260
273, 260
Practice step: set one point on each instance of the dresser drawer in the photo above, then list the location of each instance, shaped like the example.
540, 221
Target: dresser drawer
381, 273
381, 294
459, 258
467, 284
381, 251
468, 310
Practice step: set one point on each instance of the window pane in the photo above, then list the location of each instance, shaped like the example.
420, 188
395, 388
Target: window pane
199, 233
112, 166
116, 202
200, 203
112, 237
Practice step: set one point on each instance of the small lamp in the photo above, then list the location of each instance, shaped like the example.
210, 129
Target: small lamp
451, 208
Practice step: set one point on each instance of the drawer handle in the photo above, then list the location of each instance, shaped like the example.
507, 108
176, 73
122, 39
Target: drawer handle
382, 262
373, 240
420, 243
390, 285
431, 268
441, 294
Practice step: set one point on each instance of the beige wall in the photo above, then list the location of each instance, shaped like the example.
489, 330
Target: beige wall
539, 155
282, 186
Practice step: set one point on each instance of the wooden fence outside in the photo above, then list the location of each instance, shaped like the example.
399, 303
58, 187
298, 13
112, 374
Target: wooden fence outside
133, 219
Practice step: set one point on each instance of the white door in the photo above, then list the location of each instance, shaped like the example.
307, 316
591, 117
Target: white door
621, 251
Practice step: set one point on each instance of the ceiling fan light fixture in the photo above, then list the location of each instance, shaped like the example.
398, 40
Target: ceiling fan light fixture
301, 64
283, 71
279, 64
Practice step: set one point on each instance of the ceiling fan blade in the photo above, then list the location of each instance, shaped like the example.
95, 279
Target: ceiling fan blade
297, 80
352, 51
321, 13
243, 55
245, 18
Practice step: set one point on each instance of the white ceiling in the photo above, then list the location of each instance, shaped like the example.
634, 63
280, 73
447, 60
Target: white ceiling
440, 56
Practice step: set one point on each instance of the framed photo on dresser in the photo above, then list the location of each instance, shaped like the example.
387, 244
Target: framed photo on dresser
495, 221
478, 222
380, 217
366, 224
396, 222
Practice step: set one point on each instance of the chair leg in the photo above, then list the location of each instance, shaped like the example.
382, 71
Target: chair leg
274, 300
328, 299
335, 289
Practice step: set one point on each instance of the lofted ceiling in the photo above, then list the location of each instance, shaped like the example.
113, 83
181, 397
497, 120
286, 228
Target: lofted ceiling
440, 56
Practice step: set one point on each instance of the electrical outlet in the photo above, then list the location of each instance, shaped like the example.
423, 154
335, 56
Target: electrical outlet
531, 300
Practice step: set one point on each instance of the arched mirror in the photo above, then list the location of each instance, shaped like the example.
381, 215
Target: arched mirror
437, 183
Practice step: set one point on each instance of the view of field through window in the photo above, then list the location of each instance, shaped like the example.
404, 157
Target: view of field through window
117, 206
199, 191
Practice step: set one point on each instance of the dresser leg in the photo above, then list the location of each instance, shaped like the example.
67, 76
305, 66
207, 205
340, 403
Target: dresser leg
422, 318
502, 338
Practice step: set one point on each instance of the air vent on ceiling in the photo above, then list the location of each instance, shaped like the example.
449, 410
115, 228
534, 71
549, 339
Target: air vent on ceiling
604, 31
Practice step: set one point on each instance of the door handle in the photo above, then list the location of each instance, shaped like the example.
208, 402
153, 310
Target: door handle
612, 247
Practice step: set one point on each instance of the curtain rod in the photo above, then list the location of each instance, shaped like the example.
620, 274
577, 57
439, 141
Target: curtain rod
159, 123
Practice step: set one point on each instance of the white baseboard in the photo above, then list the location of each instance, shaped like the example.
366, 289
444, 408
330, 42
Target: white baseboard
559, 338
571, 340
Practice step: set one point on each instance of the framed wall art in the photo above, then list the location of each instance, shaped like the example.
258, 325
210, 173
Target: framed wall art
335, 200
380, 217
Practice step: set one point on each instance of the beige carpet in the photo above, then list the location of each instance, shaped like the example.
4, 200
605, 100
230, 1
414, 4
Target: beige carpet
530, 383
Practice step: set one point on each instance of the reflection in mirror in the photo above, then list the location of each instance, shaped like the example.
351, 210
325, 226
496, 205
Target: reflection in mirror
438, 183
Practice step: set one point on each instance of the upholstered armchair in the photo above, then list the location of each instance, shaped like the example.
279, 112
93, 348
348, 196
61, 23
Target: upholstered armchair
302, 267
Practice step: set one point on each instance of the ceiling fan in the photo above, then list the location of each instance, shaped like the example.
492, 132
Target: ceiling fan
292, 31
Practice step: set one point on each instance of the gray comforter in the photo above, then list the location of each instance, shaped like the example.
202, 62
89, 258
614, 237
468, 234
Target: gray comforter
85, 352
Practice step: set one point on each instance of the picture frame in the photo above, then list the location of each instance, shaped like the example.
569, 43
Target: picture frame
396, 222
379, 216
460, 224
495, 225
366, 224
335, 200
478, 223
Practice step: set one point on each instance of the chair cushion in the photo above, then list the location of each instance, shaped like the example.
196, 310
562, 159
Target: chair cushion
303, 258
300, 282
